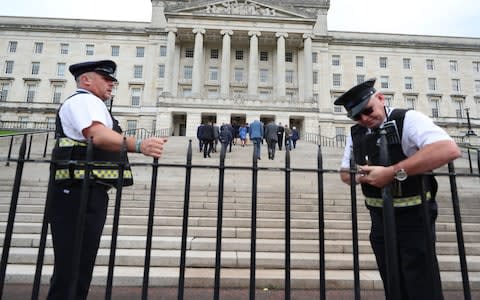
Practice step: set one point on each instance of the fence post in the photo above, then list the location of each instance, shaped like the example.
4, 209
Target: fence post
321, 224
12, 213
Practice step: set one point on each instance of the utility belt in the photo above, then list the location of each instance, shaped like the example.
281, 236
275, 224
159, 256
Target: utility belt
398, 202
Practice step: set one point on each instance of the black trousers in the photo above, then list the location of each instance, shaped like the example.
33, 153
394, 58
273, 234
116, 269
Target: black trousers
63, 220
415, 279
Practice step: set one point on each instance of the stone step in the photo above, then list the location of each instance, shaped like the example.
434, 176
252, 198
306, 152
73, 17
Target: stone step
234, 259
235, 277
240, 232
236, 221
236, 244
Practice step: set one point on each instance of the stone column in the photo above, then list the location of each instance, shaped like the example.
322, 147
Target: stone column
225, 70
281, 63
198, 62
253, 64
307, 51
169, 78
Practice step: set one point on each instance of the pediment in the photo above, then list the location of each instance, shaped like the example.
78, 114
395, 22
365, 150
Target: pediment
246, 8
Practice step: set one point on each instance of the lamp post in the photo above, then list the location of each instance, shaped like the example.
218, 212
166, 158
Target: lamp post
470, 131
468, 135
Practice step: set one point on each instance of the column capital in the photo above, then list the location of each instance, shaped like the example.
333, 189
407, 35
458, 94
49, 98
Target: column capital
226, 31
171, 29
254, 33
308, 35
281, 34
198, 30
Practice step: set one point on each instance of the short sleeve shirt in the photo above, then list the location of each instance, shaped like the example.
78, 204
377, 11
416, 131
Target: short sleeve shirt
80, 111
418, 131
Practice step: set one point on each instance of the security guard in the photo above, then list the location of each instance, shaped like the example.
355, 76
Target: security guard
416, 146
84, 115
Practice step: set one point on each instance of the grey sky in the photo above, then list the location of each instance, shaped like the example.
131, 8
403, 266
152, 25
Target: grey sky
425, 17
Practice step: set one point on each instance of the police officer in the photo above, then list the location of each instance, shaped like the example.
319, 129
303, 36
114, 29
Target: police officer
421, 147
82, 116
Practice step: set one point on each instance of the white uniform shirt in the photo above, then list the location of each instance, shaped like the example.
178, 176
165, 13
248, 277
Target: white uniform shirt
418, 131
80, 111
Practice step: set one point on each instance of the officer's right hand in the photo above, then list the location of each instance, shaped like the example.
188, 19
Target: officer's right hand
153, 146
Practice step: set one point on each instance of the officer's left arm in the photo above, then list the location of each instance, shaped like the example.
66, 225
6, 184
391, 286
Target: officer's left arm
107, 139
427, 146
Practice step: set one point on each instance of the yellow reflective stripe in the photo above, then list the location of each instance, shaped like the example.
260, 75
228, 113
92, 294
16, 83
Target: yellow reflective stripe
67, 142
102, 174
397, 202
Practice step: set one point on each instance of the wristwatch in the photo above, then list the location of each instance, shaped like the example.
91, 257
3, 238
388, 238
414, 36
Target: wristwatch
401, 175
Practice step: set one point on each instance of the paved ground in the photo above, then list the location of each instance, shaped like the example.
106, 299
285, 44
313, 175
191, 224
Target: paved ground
14, 292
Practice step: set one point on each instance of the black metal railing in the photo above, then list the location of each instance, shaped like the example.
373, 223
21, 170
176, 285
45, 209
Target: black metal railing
287, 170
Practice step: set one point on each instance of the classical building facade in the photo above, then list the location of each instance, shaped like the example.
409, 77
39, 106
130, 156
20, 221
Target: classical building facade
235, 61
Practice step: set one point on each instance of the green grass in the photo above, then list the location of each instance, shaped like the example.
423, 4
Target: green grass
5, 132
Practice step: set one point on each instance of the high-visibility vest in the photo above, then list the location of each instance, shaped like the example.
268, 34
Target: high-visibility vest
69, 160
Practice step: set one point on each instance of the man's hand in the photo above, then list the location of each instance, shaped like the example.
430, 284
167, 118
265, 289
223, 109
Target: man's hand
377, 176
153, 146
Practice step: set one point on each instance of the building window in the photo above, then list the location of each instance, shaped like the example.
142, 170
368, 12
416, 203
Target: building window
337, 109
314, 57
212, 93
238, 74
389, 100
360, 79
38, 48
476, 66
35, 68
335, 60
384, 83
264, 75
315, 77
213, 53
161, 71
163, 50
61, 69
137, 71
187, 92
432, 84
51, 123
187, 72
383, 62
359, 61
115, 50
456, 85
340, 134
264, 95
213, 74
131, 125
289, 56
4, 88
31, 88
410, 102
12, 46
430, 64
453, 66
64, 48
289, 76
9, 67
337, 80
407, 63
57, 93
477, 86
239, 54
458, 108
140, 52
189, 52
135, 96
263, 56
435, 107
408, 83
89, 50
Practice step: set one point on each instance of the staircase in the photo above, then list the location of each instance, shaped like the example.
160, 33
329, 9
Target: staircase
235, 257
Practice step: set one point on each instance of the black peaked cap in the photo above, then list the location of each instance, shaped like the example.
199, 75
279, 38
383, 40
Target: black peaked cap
104, 67
355, 99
